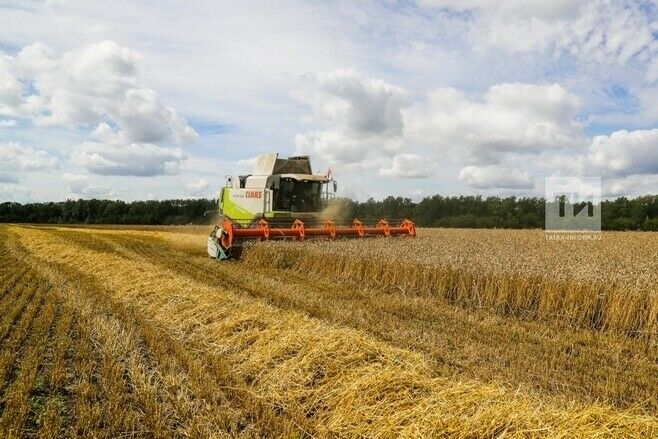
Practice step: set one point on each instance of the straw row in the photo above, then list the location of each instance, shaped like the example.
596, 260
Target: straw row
331, 380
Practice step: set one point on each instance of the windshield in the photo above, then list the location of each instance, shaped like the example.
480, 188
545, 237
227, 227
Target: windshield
298, 196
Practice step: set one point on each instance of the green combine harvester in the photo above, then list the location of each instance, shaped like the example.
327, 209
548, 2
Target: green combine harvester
282, 198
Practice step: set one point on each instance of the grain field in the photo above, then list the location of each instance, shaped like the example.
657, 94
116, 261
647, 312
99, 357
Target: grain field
109, 332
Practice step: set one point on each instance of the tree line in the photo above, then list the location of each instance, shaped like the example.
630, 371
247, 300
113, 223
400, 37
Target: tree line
622, 213
639, 213
153, 212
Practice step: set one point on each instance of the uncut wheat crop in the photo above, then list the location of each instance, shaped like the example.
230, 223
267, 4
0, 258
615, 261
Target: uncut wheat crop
134, 332
610, 283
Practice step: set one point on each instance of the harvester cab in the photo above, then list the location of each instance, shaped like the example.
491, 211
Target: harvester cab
282, 198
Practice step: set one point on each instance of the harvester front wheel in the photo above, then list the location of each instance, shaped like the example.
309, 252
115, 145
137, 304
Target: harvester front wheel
214, 247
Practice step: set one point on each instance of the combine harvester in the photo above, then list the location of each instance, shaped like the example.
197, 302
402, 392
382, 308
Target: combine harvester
283, 199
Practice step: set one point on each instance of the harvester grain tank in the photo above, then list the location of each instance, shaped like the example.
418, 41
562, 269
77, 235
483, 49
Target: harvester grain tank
282, 199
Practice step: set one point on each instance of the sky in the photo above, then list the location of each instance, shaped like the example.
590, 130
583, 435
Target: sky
159, 100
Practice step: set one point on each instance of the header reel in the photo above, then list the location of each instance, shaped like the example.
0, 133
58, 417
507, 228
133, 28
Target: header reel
225, 240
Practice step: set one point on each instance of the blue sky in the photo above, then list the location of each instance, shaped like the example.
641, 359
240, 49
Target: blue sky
163, 99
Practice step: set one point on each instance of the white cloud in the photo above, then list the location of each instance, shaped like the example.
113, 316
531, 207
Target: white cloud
358, 116
361, 106
14, 192
82, 84
630, 186
246, 164
97, 84
11, 88
75, 182
258, 56
625, 153
609, 32
110, 155
407, 166
197, 187
525, 8
79, 186
339, 148
15, 155
143, 118
8, 123
511, 118
136, 159
652, 71
500, 177
35, 59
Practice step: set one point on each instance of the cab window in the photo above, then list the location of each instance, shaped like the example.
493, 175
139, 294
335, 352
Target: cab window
298, 196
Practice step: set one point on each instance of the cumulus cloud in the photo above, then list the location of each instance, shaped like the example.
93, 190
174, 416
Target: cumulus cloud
14, 155
79, 186
357, 116
138, 159
630, 186
246, 164
360, 105
109, 154
11, 88
624, 159
336, 148
7, 123
407, 166
96, 85
143, 118
14, 192
75, 182
197, 187
511, 118
356, 119
498, 177
625, 153
100, 81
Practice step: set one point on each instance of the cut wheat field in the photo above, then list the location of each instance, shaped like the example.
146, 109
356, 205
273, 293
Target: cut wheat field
134, 332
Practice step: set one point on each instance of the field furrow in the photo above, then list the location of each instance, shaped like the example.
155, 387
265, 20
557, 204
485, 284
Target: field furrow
11, 277
51, 397
17, 398
124, 377
560, 361
293, 363
20, 329
17, 301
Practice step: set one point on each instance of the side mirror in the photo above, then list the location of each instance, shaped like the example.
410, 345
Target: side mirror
335, 186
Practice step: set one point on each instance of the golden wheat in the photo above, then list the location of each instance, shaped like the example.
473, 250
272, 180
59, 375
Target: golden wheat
293, 373
99, 374
609, 284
